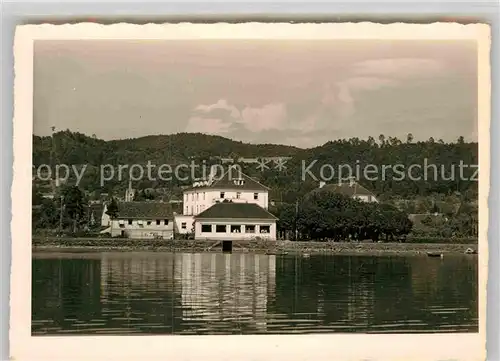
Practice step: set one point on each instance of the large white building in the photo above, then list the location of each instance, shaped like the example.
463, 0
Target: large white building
241, 212
233, 186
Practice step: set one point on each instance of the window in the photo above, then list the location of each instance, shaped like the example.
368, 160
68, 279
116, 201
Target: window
238, 195
165, 221
220, 228
158, 222
256, 196
265, 229
187, 209
203, 195
183, 225
149, 223
130, 222
222, 194
235, 228
206, 228
191, 209
249, 228
122, 225
197, 196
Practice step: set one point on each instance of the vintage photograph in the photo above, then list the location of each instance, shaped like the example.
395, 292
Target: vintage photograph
253, 184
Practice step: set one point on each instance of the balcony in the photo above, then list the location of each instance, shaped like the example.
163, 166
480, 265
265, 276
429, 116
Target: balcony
229, 199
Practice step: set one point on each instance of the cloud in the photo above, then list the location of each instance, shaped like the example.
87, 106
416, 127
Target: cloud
351, 102
400, 67
341, 96
270, 116
254, 119
221, 104
207, 125
368, 83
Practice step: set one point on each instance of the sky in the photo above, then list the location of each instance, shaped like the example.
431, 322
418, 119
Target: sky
302, 93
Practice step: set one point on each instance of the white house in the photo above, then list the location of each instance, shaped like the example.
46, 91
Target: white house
351, 189
235, 221
233, 187
143, 220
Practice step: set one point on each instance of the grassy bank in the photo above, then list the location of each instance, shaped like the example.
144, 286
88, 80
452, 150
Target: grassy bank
279, 247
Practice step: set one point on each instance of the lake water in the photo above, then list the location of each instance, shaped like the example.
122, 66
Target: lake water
182, 293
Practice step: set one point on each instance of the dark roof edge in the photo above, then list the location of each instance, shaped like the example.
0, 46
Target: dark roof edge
170, 216
240, 219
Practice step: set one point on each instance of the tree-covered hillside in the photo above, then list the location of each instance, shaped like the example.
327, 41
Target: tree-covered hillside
76, 148
299, 175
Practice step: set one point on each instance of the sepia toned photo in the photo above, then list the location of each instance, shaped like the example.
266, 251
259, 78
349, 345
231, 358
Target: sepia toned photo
250, 184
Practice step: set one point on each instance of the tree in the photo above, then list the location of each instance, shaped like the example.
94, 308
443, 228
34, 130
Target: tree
112, 209
381, 138
36, 197
47, 216
74, 205
435, 208
409, 138
286, 214
144, 195
329, 215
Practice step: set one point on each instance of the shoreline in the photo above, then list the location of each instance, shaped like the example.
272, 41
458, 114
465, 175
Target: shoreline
78, 245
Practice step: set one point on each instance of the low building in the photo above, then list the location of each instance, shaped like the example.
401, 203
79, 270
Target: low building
143, 220
183, 224
350, 189
235, 221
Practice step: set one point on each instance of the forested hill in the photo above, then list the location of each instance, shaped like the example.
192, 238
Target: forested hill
389, 167
289, 182
77, 148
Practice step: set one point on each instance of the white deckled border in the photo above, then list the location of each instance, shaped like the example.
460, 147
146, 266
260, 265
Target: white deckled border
301, 347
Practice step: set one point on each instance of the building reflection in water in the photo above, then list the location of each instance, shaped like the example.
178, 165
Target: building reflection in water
208, 288
164, 293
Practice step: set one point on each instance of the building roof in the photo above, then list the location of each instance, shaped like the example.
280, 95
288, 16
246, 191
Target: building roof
233, 178
146, 210
346, 189
236, 211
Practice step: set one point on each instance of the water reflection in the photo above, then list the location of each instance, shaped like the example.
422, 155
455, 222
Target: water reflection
245, 293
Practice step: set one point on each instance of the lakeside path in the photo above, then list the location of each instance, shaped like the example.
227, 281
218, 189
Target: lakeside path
271, 247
